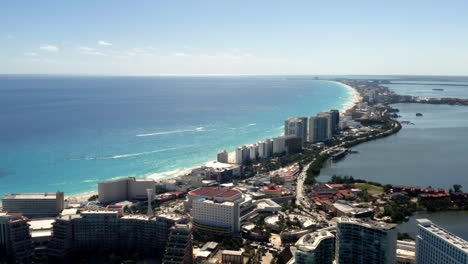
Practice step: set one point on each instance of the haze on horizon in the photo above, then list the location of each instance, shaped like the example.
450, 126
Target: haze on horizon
234, 37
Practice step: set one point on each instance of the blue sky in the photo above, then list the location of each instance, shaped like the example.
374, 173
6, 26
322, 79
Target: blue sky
234, 37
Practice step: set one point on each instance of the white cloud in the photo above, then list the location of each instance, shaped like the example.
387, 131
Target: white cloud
104, 43
181, 54
86, 49
50, 48
95, 53
31, 54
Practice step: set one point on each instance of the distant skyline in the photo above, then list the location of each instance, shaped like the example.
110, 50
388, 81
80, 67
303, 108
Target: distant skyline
234, 37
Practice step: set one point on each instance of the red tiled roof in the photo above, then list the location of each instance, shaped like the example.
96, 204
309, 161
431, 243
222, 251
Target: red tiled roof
214, 192
272, 189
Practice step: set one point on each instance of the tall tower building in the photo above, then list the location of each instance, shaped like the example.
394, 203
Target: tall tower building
435, 245
365, 242
296, 126
242, 154
335, 121
150, 193
318, 129
328, 116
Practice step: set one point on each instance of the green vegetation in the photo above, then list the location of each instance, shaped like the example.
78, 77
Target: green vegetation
93, 198
314, 169
398, 210
371, 189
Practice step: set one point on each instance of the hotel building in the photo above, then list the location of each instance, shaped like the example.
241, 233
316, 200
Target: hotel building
110, 229
296, 126
317, 247
215, 210
365, 242
34, 205
318, 129
223, 157
435, 245
124, 189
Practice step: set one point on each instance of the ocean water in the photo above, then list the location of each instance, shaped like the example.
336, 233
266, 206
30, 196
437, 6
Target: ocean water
69, 133
431, 152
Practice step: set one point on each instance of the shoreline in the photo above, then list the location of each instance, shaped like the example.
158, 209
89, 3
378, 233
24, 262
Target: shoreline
80, 197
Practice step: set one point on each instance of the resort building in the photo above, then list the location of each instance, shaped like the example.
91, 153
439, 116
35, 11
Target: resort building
436, 245
317, 247
15, 240
318, 129
179, 245
287, 144
242, 155
265, 148
124, 189
223, 157
111, 229
335, 121
296, 126
330, 123
215, 210
253, 151
365, 242
34, 205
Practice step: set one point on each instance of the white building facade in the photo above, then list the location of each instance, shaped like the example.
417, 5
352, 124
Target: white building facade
435, 245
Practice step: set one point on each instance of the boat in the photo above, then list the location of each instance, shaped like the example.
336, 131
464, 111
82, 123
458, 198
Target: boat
419, 114
438, 89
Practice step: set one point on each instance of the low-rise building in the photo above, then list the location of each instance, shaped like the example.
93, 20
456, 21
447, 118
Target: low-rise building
232, 257
34, 205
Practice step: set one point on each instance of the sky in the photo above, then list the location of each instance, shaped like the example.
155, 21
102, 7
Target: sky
213, 37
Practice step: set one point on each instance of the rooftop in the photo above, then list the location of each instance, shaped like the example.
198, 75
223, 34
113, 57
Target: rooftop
19, 196
214, 192
310, 241
366, 223
443, 234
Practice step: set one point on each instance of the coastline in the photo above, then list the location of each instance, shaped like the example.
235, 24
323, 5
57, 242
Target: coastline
80, 197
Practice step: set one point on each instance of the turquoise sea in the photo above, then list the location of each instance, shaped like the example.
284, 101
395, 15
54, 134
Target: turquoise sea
69, 133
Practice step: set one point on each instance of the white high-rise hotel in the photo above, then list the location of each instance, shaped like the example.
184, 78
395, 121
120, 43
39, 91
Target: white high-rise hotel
435, 245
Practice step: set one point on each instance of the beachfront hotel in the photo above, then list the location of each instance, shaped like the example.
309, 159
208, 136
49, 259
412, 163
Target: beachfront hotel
317, 247
435, 245
15, 240
124, 189
34, 205
365, 242
215, 210
296, 126
318, 129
